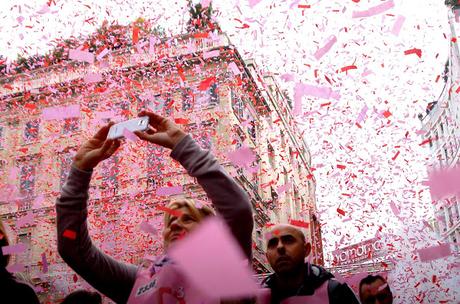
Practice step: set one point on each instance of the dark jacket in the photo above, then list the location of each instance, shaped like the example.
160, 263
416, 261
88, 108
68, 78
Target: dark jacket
315, 276
13, 291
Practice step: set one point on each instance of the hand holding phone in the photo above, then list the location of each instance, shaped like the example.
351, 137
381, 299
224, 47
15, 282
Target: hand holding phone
132, 125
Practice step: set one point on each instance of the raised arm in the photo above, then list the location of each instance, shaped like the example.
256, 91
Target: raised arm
230, 200
112, 278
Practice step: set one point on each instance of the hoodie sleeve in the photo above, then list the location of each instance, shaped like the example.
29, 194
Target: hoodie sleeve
110, 277
230, 200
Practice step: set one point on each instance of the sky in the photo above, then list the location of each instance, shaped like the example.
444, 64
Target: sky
384, 163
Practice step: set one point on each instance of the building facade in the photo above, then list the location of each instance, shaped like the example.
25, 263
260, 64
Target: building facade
201, 81
441, 126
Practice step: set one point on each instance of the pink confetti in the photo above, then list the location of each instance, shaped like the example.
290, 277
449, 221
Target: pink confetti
242, 157
444, 183
205, 3
253, 3
102, 54
82, 56
322, 51
130, 135
16, 268
283, 188
61, 112
44, 263
287, 77
92, 77
398, 25
166, 191
378, 9
434, 252
302, 89
234, 68
394, 208
147, 227
205, 264
211, 54
25, 220
362, 114
14, 249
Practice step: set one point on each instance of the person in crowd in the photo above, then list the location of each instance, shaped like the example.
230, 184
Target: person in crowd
287, 249
82, 296
114, 278
374, 289
11, 289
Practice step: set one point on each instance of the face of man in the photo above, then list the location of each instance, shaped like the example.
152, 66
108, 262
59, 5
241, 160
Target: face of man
179, 226
286, 249
377, 292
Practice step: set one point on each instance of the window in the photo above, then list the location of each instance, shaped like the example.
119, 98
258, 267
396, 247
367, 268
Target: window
1, 137
66, 161
206, 99
71, 125
155, 162
123, 107
237, 105
188, 100
31, 131
202, 134
162, 104
24, 257
271, 155
27, 174
110, 173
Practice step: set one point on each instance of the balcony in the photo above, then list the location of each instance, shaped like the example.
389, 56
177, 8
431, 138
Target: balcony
122, 59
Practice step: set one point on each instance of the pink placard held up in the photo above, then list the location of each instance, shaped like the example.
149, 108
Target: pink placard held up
217, 266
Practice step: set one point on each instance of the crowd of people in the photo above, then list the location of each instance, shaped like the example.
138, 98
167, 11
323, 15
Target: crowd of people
293, 280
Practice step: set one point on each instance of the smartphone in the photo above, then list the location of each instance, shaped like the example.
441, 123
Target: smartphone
136, 124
